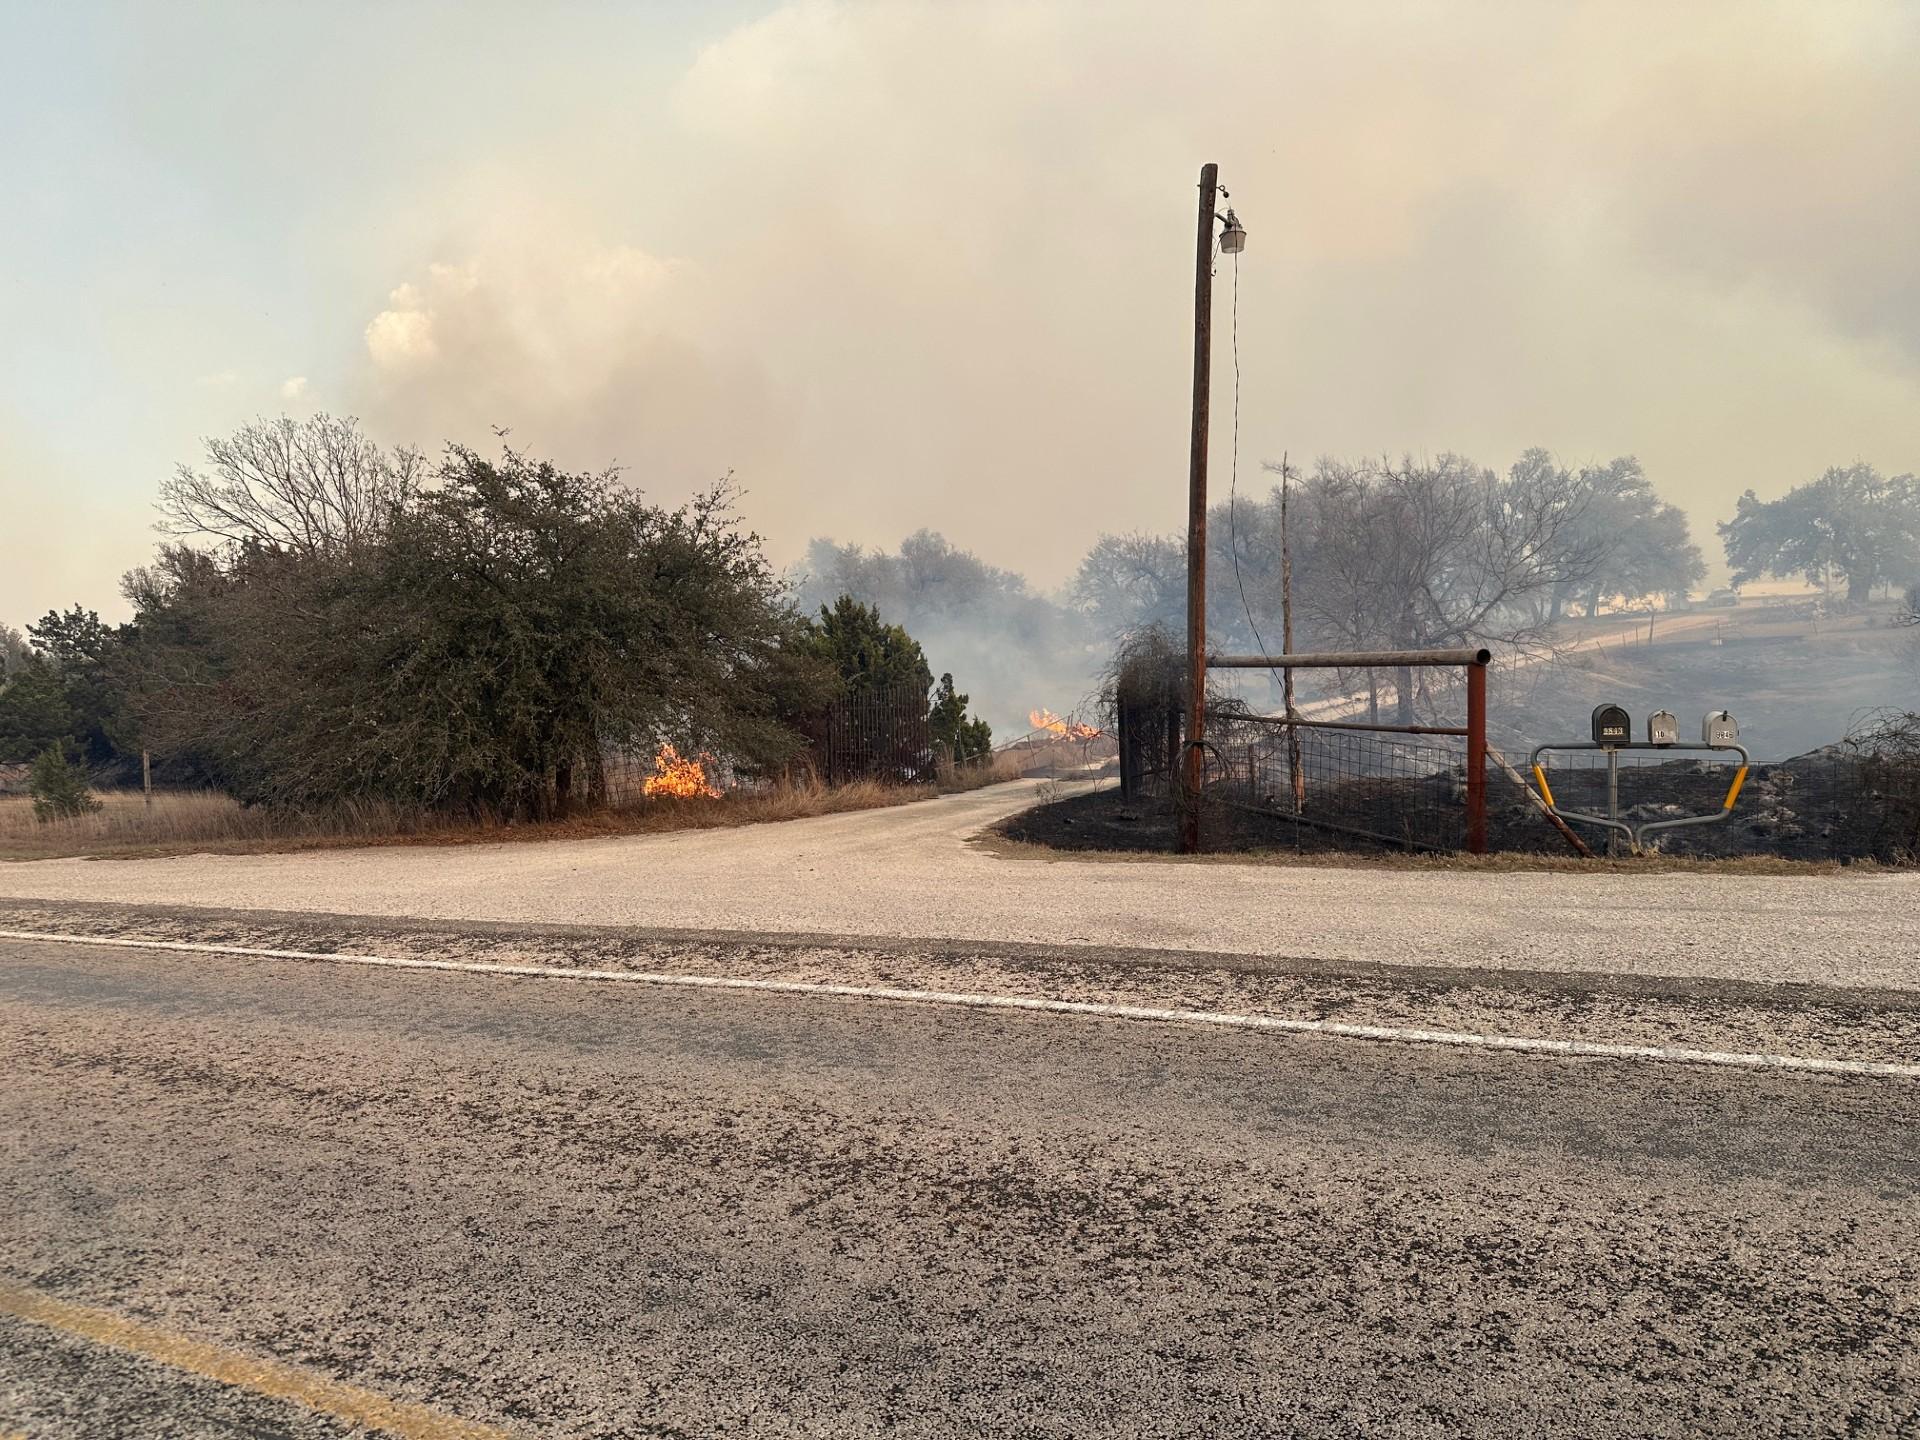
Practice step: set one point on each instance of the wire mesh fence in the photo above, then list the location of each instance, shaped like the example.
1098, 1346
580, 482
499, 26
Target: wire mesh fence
1315, 785
1305, 780
1407, 791
1322, 785
878, 735
1357, 789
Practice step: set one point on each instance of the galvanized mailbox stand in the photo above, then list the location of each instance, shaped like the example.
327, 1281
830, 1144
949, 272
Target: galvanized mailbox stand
1612, 732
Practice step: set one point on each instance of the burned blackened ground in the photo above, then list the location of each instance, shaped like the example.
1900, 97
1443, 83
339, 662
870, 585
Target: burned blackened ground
1825, 806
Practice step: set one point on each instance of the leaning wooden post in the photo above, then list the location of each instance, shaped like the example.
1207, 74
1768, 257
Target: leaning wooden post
1297, 776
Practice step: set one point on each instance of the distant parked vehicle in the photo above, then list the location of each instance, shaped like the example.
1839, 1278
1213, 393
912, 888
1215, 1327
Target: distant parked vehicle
1724, 597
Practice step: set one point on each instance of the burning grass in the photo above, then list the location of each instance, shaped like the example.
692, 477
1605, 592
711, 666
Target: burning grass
205, 822
682, 779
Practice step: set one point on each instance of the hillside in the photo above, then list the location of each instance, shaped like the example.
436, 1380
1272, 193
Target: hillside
1794, 680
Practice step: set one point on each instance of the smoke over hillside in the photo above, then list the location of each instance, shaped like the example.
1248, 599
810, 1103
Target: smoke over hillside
1009, 647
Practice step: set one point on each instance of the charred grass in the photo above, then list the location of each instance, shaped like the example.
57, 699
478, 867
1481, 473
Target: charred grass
1100, 826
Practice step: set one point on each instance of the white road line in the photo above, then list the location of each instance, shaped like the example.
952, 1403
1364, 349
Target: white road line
1525, 1044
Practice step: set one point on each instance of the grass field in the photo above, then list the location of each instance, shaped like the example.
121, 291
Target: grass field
182, 822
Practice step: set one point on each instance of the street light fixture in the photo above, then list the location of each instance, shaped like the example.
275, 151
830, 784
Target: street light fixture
1233, 239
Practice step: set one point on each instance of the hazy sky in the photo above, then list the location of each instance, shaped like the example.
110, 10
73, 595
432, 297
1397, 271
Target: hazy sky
930, 264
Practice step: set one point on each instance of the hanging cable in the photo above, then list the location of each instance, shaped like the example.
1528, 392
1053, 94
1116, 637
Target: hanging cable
1233, 484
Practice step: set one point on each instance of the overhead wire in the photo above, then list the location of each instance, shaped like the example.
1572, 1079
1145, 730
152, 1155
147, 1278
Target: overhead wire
1233, 484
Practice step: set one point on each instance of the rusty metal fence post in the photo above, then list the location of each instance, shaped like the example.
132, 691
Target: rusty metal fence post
1477, 757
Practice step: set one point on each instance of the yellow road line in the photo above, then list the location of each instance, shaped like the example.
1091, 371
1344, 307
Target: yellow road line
272, 1378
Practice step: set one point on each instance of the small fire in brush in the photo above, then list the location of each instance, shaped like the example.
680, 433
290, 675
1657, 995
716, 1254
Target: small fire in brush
1045, 719
684, 779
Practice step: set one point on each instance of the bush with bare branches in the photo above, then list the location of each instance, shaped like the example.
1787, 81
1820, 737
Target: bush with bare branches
306, 486
1884, 747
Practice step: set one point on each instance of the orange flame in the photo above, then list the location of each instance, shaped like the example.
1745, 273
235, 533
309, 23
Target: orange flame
686, 779
1045, 719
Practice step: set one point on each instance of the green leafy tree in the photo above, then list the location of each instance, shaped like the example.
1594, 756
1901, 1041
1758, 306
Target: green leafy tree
84, 653
1013, 644
66, 687
34, 712
865, 651
503, 632
1850, 522
59, 788
962, 737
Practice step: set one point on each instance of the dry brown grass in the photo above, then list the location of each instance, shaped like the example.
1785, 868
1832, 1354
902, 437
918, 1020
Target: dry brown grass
185, 820
182, 822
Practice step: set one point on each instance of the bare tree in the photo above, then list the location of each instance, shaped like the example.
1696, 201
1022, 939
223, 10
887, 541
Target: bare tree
305, 486
1420, 555
1131, 582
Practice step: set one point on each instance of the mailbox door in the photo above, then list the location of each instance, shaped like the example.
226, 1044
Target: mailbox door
1611, 725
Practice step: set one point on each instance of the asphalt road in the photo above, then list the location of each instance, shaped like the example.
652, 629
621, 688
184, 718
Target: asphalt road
558, 1207
919, 871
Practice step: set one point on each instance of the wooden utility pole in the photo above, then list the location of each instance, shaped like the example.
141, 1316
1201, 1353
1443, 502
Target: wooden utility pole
1193, 763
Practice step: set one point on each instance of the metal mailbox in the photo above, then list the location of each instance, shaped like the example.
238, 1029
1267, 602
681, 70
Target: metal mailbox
1611, 726
1663, 728
1719, 729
